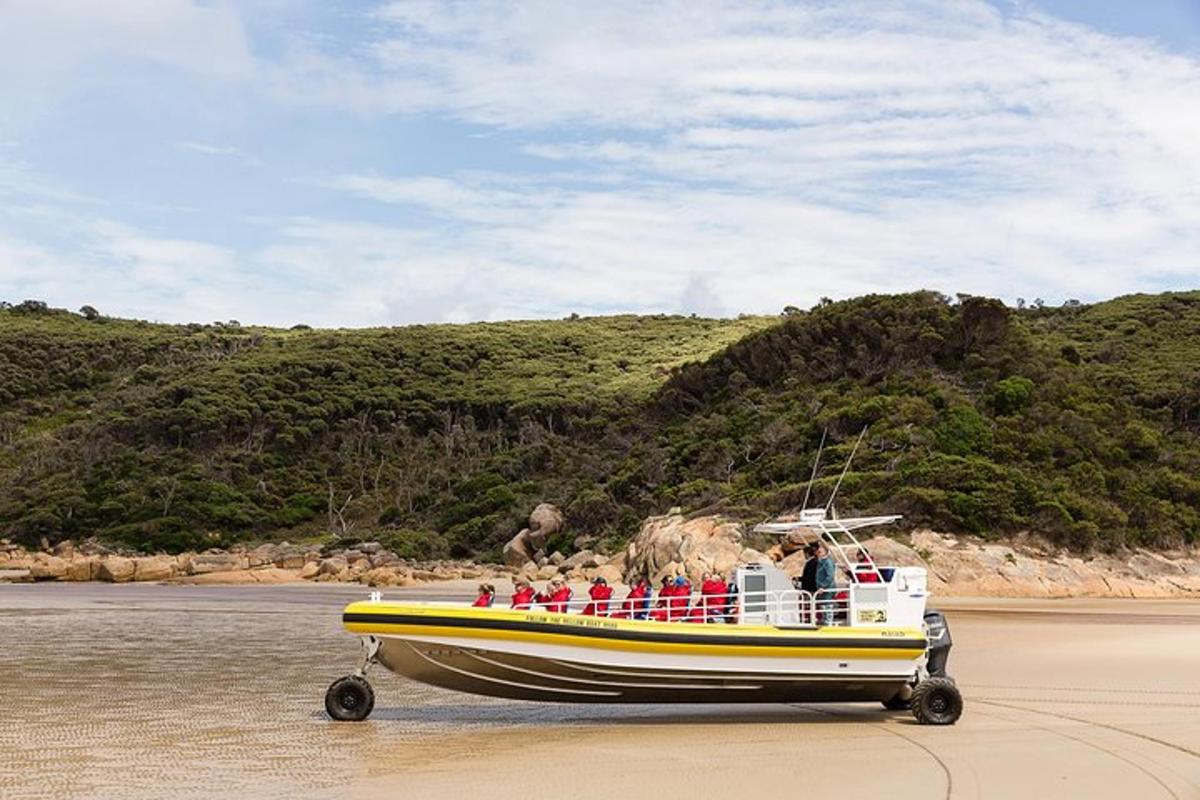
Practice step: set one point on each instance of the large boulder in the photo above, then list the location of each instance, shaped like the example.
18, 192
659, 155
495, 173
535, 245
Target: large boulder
334, 566
153, 568
48, 568
545, 521
585, 559
83, 568
206, 563
519, 549
672, 543
116, 569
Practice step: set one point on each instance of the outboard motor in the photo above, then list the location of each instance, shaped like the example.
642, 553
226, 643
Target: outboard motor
938, 634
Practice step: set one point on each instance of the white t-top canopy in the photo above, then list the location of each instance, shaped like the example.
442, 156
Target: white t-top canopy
843, 525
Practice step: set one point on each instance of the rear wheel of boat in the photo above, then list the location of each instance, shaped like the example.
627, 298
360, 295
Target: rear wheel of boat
349, 699
937, 701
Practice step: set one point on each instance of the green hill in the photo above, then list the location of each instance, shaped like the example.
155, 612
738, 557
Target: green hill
1079, 422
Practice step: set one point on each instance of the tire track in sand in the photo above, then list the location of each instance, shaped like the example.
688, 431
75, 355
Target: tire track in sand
1089, 743
1093, 723
945, 768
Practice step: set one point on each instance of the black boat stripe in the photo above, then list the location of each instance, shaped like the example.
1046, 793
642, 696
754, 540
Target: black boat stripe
630, 635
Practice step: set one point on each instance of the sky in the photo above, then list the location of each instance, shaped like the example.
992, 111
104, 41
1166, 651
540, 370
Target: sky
353, 164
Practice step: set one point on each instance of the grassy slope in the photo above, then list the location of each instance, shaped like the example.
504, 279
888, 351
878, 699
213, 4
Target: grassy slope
1080, 422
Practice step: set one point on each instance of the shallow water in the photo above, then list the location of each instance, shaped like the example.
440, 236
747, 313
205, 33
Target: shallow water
152, 691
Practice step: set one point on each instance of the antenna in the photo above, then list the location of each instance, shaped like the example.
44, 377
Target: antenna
845, 469
816, 463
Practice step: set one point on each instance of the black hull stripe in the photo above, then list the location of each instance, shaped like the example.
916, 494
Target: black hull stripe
631, 635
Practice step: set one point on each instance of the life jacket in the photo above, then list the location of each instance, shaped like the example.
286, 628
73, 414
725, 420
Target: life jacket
523, 598
483, 601
598, 592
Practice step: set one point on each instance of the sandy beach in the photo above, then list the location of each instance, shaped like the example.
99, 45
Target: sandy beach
140, 691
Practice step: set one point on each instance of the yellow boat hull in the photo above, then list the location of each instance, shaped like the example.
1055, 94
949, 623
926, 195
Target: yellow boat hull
538, 655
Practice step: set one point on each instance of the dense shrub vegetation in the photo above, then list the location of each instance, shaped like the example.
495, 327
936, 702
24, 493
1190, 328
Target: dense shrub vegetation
1079, 422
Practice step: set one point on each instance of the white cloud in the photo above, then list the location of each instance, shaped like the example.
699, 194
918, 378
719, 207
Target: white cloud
708, 155
51, 50
206, 149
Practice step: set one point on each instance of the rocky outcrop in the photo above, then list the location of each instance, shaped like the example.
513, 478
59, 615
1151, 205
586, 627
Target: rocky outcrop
545, 521
970, 567
673, 544
670, 544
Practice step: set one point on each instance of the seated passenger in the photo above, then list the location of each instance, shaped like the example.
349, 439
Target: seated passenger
677, 608
637, 602
601, 593
487, 596
665, 593
556, 596
522, 597
712, 597
864, 568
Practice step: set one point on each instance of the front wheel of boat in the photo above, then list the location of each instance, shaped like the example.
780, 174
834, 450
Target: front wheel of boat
937, 701
349, 699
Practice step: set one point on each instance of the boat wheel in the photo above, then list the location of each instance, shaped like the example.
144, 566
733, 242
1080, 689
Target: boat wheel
349, 699
937, 701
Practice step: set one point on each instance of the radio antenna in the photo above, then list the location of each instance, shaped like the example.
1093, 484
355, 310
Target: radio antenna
845, 469
816, 464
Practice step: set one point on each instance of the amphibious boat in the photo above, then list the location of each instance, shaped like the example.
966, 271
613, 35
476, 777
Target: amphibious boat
870, 639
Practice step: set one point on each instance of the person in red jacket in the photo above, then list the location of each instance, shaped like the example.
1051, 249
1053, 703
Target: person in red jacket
556, 596
487, 596
601, 593
680, 598
712, 597
665, 593
523, 596
864, 568
637, 602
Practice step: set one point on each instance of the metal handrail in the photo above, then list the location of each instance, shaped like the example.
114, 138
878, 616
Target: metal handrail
787, 607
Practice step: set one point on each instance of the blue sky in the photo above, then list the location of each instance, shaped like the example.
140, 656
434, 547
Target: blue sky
350, 164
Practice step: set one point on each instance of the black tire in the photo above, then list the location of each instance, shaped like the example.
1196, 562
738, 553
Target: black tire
901, 701
349, 699
937, 701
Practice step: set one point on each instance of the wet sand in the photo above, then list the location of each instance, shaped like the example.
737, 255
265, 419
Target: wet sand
140, 691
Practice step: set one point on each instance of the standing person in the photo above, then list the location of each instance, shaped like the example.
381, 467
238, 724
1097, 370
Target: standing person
808, 582
601, 593
826, 583
487, 596
522, 598
808, 577
731, 600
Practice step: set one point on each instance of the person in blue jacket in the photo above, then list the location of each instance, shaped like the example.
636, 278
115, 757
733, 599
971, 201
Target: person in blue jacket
826, 583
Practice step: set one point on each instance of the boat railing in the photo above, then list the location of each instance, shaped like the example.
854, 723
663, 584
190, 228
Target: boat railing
791, 607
